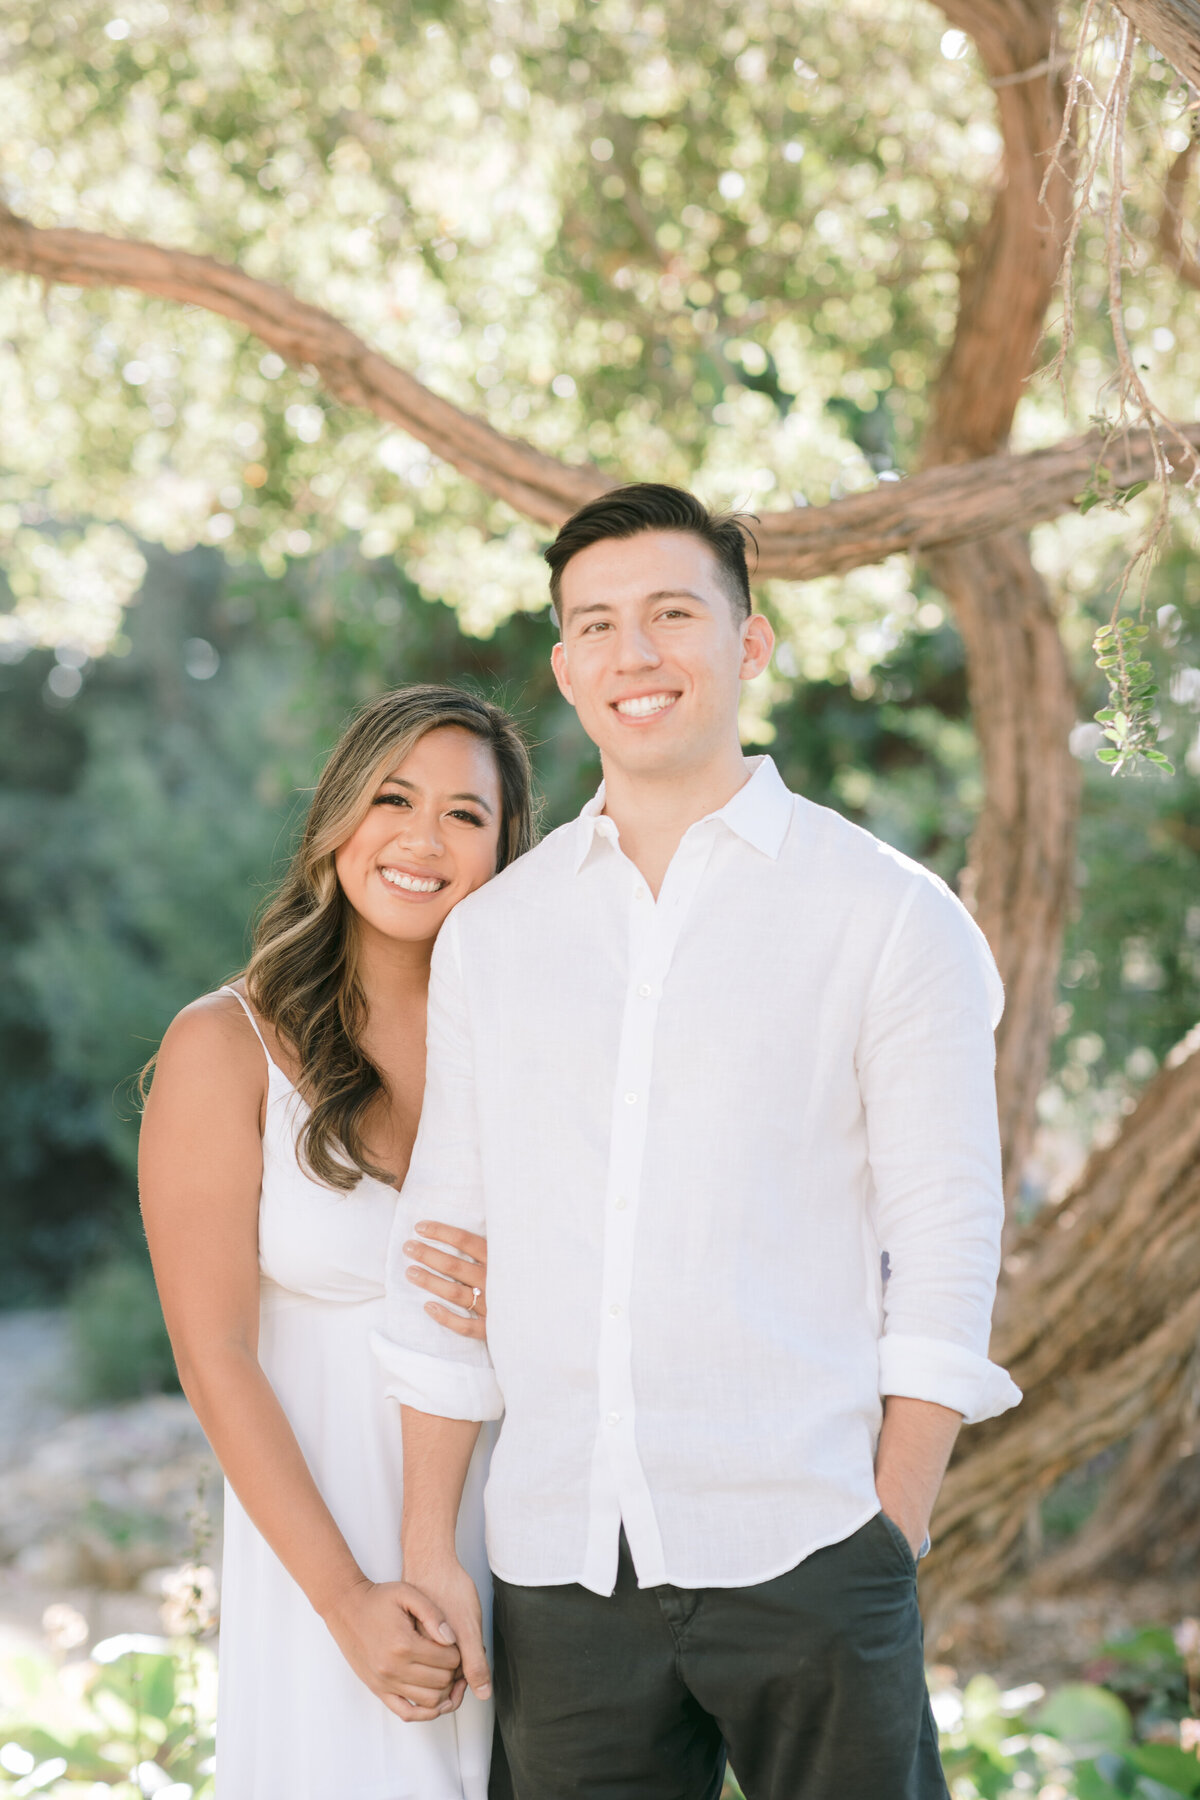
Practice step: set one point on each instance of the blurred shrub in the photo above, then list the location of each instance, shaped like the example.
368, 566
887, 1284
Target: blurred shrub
135, 1719
120, 1345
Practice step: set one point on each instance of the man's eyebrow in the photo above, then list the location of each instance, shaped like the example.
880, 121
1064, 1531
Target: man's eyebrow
403, 781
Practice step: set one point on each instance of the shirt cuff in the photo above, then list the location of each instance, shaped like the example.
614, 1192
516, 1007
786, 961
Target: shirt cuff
920, 1368
429, 1384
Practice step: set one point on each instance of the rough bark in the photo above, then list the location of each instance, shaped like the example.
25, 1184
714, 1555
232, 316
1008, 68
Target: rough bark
1176, 255
1172, 26
1019, 878
1099, 1322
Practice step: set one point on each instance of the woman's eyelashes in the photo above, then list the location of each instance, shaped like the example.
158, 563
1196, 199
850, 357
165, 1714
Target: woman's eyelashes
469, 818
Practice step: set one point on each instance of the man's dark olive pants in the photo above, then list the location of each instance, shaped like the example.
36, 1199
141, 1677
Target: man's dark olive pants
813, 1684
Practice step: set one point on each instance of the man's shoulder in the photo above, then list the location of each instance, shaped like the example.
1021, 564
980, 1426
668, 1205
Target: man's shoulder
837, 850
509, 893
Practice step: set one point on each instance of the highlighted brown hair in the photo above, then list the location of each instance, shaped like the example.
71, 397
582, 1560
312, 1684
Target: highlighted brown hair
626, 512
302, 976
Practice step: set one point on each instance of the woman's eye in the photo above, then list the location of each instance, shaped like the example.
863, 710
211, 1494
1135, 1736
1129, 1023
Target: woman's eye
469, 817
391, 800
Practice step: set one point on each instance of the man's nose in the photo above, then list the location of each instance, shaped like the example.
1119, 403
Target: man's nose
636, 649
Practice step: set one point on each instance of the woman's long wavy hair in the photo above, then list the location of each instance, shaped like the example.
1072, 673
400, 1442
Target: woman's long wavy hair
303, 972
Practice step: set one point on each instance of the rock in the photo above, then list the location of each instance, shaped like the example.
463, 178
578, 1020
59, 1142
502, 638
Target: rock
105, 1496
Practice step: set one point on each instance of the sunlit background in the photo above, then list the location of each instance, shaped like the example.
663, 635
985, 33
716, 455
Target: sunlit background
690, 242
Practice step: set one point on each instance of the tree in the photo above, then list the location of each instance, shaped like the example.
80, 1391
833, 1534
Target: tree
672, 302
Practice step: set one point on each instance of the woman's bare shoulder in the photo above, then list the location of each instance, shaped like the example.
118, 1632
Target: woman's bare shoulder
212, 1038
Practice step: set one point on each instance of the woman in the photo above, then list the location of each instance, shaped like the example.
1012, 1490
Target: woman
278, 1127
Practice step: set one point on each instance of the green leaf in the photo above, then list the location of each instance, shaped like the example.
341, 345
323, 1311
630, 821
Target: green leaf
1106, 717
1107, 756
1090, 1784
1160, 761
1087, 1718
1088, 501
1131, 492
1175, 1768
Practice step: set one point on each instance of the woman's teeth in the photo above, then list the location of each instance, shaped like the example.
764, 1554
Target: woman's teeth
645, 703
412, 884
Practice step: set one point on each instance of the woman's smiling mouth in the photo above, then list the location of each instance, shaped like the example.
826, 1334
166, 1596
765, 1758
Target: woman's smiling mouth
407, 883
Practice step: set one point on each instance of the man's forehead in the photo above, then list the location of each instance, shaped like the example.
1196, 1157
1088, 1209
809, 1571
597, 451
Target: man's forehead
644, 568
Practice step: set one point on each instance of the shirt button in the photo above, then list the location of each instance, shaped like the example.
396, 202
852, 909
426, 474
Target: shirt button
614, 1312
613, 1419
620, 1203
645, 990
631, 1099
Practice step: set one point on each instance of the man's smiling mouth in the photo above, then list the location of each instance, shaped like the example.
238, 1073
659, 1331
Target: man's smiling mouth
644, 706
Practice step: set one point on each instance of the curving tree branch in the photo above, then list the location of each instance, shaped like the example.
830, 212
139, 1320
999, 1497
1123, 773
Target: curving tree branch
1172, 26
936, 509
540, 486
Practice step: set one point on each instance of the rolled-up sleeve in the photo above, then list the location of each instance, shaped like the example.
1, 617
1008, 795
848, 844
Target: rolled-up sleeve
926, 1065
427, 1366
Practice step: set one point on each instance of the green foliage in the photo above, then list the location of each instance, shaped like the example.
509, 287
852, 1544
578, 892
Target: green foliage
1128, 720
680, 241
1128, 1733
120, 1344
136, 1717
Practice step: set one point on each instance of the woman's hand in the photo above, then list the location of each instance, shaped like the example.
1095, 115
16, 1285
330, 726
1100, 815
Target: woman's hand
398, 1642
460, 1278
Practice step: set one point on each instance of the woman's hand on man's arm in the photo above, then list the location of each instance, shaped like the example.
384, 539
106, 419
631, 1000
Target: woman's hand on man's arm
456, 1273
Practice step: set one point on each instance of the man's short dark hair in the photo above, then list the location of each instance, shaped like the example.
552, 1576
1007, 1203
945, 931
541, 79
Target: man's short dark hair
653, 506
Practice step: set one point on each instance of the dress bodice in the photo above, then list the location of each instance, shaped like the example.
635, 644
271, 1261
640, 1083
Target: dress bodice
312, 1239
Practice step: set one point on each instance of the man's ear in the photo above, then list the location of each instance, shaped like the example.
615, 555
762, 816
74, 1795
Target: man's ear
558, 662
758, 641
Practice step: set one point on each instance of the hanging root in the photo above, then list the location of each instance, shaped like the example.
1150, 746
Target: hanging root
1106, 122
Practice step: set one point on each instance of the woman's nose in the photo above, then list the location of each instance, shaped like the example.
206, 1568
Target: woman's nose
422, 833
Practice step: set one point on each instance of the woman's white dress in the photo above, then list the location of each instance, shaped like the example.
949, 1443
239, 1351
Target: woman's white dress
294, 1722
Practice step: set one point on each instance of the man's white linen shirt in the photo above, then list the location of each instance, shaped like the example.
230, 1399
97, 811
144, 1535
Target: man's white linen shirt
691, 1128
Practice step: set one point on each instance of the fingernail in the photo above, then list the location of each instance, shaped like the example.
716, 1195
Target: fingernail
484, 1692
411, 1250
411, 1274
423, 1225
446, 1633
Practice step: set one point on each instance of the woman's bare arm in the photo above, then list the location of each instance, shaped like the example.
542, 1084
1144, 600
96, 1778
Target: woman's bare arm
200, 1171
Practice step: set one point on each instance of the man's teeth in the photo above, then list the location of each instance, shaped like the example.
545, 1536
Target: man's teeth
412, 883
645, 703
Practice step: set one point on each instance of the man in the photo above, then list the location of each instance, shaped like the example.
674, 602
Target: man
704, 1065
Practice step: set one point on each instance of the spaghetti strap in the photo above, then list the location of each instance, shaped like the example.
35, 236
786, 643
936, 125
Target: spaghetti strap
246, 1008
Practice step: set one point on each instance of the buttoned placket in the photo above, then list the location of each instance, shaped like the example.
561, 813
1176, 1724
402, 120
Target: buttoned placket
620, 1493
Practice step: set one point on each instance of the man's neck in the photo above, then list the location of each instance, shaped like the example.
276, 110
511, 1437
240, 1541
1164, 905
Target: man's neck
652, 812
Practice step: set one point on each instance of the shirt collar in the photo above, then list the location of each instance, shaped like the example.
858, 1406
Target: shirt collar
759, 813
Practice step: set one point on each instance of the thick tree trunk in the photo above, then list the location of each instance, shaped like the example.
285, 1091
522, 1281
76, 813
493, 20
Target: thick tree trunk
1019, 879
1099, 1323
